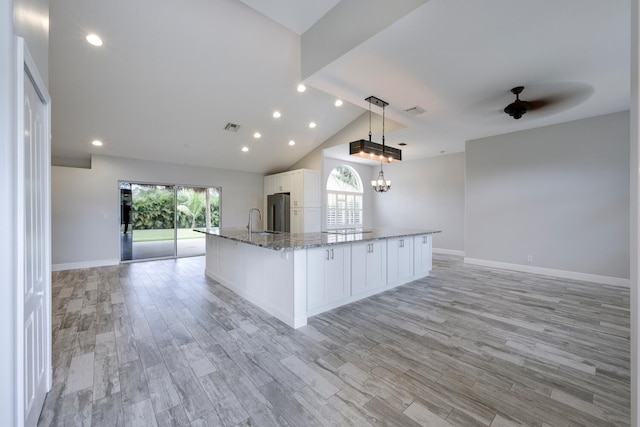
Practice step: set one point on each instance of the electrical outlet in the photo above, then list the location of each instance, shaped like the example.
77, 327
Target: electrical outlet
529, 258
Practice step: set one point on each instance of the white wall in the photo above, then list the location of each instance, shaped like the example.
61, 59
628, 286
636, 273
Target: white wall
31, 21
425, 194
86, 204
328, 164
559, 193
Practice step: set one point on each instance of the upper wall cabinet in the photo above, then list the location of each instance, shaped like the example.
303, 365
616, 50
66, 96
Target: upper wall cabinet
278, 183
302, 184
305, 189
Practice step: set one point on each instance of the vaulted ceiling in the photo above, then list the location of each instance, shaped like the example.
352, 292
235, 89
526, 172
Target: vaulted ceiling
170, 75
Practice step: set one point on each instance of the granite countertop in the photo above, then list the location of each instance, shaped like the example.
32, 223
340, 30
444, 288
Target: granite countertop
280, 241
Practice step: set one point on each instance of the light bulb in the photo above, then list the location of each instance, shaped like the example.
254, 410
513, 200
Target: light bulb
94, 39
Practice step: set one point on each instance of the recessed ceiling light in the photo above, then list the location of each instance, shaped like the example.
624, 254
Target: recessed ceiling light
338, 103
96, 143
94, 39
245, 149
276, 114
301, 87
257, 135
292, 142
312, 124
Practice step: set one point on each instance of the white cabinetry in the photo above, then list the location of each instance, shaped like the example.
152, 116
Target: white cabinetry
368, 266
305, 220
328, 276
303, 186
422, 254
269, 186
399, 259
278, 183
282, 183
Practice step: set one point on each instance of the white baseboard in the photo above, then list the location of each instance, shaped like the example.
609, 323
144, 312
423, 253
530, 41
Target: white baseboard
604, 280
85, 264
448, 251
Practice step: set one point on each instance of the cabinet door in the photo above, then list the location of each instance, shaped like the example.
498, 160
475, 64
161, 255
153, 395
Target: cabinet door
283, 182
376, 265
399, 259
368, 266
297, 221
297, 189
316, 293
269, 185
392, 260
405, 258
312, 220
336, 276
359, 267
305, 189
422, 255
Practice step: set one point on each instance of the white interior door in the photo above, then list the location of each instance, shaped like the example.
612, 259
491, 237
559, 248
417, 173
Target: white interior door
34, 284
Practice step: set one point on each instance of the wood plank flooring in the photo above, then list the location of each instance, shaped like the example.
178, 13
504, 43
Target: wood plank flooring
157, 343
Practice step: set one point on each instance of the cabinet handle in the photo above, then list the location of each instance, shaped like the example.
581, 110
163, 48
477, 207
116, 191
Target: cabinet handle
424, 239
331, 253
327, 251
371, 244
401, 243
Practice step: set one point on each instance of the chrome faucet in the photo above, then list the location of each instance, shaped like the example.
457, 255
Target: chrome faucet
249, 223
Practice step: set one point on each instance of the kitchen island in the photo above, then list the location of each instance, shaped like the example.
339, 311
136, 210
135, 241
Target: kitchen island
295, 276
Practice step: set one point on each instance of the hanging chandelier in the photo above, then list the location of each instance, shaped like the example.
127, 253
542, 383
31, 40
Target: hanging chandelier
374, 151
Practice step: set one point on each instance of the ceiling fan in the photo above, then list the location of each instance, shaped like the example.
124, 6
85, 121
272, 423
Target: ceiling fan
519, 107
550, 99
541, 99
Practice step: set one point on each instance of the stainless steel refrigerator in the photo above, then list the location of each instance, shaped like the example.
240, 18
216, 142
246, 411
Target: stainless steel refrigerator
278, 212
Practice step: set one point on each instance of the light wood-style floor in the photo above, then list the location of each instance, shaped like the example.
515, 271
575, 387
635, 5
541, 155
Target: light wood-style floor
157, 343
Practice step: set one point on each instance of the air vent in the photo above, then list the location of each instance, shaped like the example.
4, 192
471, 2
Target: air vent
415, 110
232, 127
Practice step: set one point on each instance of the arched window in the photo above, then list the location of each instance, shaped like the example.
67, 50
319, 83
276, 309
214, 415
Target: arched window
344, 198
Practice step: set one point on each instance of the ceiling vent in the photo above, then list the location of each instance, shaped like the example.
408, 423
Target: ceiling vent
232, 127
415, 111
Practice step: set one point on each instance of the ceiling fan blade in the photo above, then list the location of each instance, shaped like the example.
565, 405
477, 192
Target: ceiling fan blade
561, 100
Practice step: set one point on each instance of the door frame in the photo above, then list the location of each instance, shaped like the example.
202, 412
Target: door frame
26, 65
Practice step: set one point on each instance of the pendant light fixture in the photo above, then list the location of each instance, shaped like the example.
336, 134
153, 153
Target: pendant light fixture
375, 151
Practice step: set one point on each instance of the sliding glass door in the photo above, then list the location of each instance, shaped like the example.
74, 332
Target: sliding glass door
157, 220
197, 207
